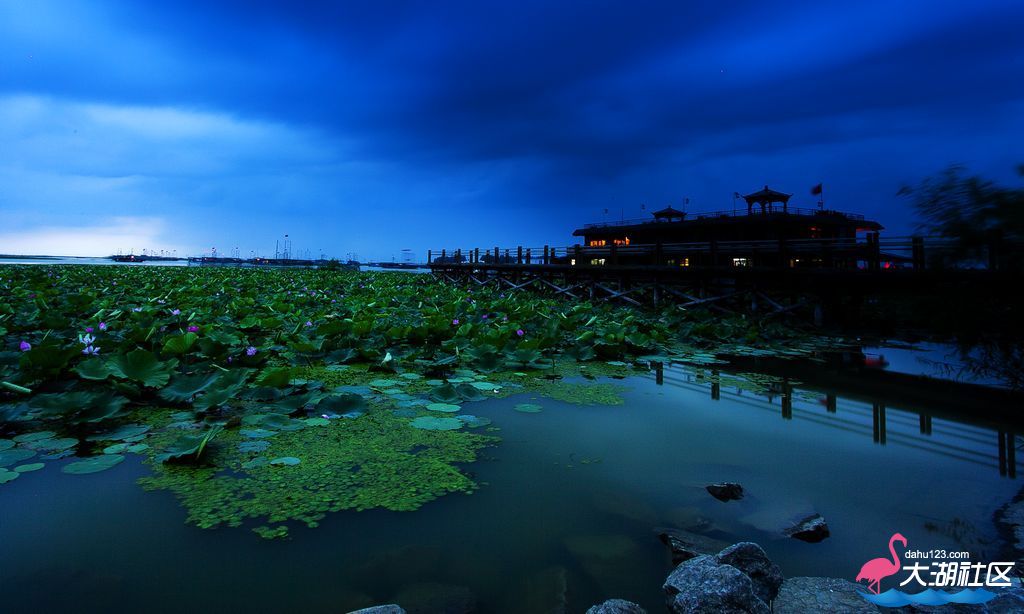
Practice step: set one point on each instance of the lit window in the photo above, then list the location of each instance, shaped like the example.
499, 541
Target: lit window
597, 262
685, 262
740, 262
572, 262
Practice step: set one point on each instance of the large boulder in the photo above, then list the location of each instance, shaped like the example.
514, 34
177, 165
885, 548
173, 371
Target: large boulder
811, 529
803, 595
725, 491
616, 606
702, 585
751, 559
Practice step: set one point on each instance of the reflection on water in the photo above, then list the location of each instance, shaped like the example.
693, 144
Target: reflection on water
566, 514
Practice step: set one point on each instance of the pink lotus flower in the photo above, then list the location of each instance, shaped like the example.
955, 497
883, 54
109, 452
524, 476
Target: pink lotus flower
24, 346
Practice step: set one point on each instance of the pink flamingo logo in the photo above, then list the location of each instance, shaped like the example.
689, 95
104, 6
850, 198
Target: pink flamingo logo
876, 569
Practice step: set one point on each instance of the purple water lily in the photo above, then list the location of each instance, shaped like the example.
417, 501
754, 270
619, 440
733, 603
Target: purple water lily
455, 322
250, 351
91, 350
87, 339
88, 329
309, 323
175, 312
520, 332
24, 346
193, 329
136, 309
103, 326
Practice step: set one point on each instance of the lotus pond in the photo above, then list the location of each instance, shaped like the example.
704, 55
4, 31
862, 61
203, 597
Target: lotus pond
176, 439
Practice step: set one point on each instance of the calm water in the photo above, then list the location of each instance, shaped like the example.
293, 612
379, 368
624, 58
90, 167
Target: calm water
545, 523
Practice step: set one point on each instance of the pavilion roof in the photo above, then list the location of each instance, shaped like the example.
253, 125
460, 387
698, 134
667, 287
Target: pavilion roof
767, 195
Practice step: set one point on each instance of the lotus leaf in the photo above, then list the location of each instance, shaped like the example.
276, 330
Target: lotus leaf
180, 344
473, 422
340, 403
15, 455
93, 369
8, 476
285, 460
189, 448
143, 367
443, 407
184, 387
6, 444
257, 433
93, 464
29, 467
27, 437
430, 423
528, 408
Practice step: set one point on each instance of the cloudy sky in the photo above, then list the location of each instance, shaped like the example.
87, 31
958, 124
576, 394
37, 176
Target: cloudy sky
370, 127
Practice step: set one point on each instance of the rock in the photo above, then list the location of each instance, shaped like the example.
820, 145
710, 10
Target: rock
702, 585
434, 598
616, 606
811, 529
751, 559
802, 595
725, 491
380, 609
686, 545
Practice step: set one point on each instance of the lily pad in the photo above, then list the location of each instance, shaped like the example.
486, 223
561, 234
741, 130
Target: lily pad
121, 433
93, 464
6, 444
474, 422
256, 433
528, 408
447, 408
29, 467
8, 476
285, 460
430, 423
15, 455
27, 437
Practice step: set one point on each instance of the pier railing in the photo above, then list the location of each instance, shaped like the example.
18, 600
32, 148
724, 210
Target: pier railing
871, 252
729, 213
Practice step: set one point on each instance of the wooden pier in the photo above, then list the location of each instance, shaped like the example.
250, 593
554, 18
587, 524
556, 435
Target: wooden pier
774, 277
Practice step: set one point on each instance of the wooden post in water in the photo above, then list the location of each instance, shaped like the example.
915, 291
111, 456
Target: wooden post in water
519, 255
925, 423
497, 256
476, 255
787, 401
547, 257
429, 259
458, 256
529, 258
443, 257
716, 386
1002, 453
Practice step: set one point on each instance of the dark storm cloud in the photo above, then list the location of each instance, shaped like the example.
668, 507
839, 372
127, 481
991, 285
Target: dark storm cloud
520, 106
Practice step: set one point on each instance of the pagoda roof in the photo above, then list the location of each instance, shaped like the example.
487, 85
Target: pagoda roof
767, 195
669, 212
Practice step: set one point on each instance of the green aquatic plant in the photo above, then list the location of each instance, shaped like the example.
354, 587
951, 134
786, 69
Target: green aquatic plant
93, 464
189, 448
377, 460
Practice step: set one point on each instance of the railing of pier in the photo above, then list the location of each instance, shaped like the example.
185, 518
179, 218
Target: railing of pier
871, 252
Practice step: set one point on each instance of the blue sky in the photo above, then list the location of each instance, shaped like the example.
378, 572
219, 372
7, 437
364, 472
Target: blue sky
375, 126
